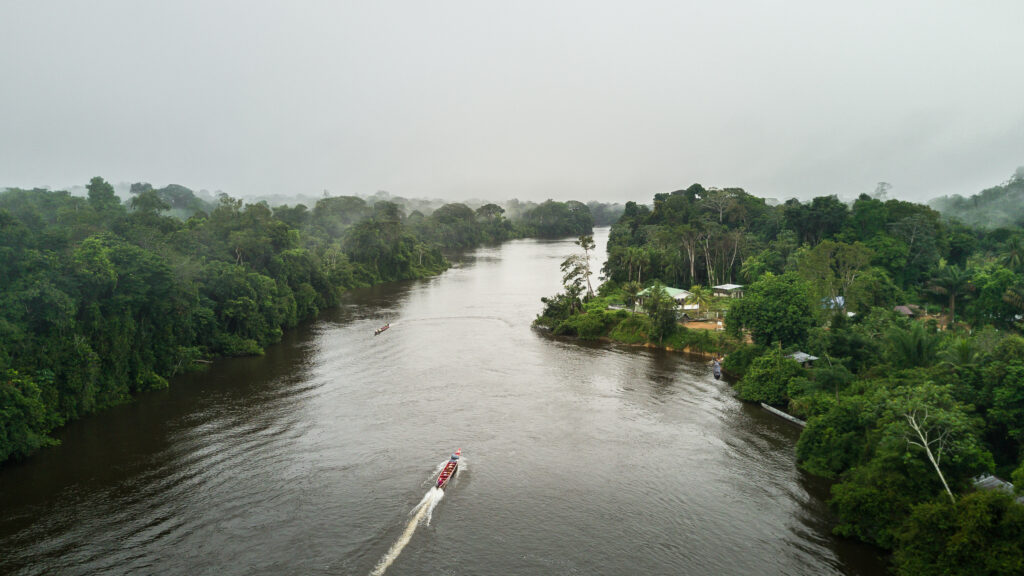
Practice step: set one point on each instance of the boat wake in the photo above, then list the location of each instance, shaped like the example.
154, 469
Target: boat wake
421, 511
429, 502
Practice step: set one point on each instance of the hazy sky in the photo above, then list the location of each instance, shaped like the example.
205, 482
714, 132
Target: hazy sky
591, 100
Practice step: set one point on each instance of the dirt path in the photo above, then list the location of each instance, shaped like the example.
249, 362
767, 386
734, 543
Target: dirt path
701, 325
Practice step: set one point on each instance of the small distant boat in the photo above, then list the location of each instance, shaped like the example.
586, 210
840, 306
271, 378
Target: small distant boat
449, 469
381, 329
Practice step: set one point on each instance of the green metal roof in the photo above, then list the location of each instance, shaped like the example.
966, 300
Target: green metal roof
674, 293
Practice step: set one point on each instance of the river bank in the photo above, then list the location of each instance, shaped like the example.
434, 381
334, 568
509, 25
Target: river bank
309, 458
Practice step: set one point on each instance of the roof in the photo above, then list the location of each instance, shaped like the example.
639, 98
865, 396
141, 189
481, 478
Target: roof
728, 286
674, 293
802, 357
989, 482
905, 310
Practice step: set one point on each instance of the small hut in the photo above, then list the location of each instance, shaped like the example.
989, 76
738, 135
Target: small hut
908, 310
803, 358
728, 290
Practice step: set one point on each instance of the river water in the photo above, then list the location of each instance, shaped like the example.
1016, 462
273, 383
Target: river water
578, 458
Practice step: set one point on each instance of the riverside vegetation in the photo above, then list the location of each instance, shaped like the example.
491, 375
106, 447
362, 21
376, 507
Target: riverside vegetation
902, 412
101, 299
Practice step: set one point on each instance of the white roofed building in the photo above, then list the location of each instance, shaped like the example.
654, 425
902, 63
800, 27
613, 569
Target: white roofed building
729, 290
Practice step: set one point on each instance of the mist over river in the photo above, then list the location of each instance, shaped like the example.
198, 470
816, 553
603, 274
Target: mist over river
578, 458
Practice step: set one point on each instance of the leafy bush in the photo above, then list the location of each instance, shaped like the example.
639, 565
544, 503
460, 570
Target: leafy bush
768, 378
875, 498
834, 441
632, 330
232, 345
738, 361
981, 534
590, 325
806, 399
23, 422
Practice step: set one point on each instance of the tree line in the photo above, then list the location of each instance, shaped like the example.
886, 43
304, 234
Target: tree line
915, 321
101, 299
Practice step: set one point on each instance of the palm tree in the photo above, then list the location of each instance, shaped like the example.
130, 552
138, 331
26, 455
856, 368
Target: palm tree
637, 256
1015, 296
700, 296
643, 258
913, 347
630, 290
675, 266
952, 281
959, 353
630, 258
752, 268
1013, 254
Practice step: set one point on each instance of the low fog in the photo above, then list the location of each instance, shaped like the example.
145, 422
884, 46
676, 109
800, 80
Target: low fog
604, 101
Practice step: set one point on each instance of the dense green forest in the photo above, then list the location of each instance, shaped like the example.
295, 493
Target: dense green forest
100, 299
995, 207
915, 320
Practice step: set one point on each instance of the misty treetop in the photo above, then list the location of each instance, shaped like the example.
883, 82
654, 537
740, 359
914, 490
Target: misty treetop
999, 206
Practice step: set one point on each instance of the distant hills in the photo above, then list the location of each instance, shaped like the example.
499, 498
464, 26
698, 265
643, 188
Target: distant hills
994, 207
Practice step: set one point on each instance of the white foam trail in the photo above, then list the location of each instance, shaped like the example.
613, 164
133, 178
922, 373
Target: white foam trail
424, 508
438, 494
426, 498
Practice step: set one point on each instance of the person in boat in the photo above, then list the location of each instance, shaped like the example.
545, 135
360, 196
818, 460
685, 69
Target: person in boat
716, 369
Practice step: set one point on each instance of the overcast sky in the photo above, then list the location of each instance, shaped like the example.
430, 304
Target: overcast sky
590, 100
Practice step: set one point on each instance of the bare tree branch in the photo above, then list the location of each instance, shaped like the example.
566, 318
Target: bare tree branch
918, 426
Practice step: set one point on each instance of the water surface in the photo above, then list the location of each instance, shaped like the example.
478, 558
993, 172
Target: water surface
579, 458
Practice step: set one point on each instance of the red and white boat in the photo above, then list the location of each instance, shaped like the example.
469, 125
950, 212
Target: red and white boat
449, 469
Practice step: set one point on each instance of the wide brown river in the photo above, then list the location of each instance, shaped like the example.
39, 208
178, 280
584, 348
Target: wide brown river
578, 458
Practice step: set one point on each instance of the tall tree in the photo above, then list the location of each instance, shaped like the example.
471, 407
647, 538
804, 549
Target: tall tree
101, 195
773, 309
700, 296
951, 281
833, 267
718, 201
661, 309
586, 242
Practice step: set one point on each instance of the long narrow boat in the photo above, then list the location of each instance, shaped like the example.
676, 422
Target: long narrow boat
382, 328
449, 469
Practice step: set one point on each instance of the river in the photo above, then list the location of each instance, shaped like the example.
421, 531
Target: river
578, 458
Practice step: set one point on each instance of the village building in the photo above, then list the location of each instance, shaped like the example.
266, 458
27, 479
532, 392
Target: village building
729, 290
679, 295
908, 310
803, 358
